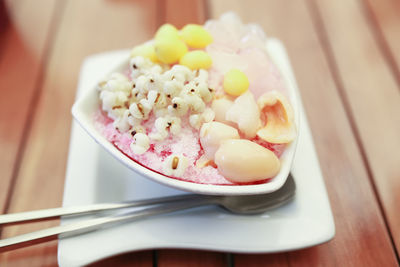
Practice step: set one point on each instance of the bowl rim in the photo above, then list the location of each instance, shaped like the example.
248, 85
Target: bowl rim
278, 55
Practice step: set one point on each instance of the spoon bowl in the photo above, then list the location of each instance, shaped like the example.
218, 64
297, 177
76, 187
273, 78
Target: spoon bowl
256, 204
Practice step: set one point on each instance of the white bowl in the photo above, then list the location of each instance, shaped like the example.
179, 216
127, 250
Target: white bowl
84, 108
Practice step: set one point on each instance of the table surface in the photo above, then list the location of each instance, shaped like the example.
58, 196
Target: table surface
345, 55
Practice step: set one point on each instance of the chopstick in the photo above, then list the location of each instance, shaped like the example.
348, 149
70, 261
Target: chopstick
47, 214
73, 229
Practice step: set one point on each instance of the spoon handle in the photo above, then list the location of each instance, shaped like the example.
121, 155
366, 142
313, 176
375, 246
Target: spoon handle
90, 225
46, 214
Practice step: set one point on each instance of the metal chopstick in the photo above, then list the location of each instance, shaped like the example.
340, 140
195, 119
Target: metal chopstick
47, 214
86, 226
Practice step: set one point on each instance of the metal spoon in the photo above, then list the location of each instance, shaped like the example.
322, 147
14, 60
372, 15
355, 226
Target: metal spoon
252, 204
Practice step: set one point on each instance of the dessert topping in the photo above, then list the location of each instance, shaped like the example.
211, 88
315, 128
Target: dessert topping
157, 99
244, 112
172, 88
169, 94
121, 123
145, 50
178, 107
220, 107
164, 125
140, 65
167, 31
192, 98
137, 129
112, 103
197, 59
141, 110
168, 46
243, 161
169, 50
140, 144
179, 73
235, 82
196, 36
212, 134
175, 165
196, 120
278, 117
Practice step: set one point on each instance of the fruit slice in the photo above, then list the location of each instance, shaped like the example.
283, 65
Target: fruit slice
212, 134
243, 161
277, 113
244, 112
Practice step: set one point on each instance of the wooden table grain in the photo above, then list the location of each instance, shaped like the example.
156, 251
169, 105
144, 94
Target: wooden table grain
345, 55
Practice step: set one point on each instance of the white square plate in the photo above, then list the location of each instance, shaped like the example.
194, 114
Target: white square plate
94, 176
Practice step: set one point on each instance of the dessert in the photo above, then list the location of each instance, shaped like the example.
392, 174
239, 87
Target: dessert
203, 104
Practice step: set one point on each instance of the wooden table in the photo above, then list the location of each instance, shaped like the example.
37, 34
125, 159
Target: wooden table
345, 54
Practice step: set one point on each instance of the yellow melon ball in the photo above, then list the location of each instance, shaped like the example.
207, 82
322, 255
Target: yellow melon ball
197, 59
167, 31
145, 50
235, 82
169, 50
196, 36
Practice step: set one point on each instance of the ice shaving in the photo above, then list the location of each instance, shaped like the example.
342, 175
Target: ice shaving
202, 104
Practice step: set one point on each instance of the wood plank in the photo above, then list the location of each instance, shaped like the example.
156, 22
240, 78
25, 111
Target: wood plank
19, 51
190, 258
270, 260
373, 97
385, 19
4, 22
19, 57
138, 259
86, 27
180, 13
361, 238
